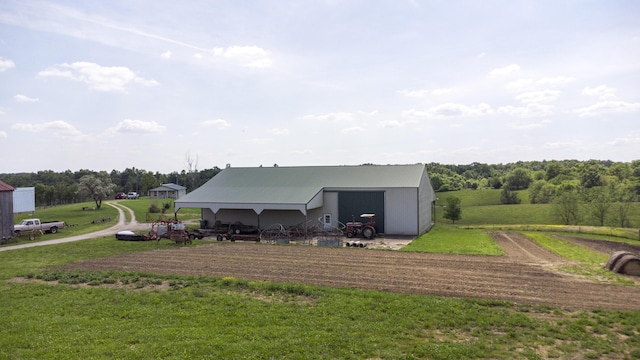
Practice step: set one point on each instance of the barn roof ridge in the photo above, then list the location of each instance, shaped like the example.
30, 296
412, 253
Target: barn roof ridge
298, 185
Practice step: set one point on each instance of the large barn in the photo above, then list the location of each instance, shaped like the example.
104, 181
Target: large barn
6, 211
401, 196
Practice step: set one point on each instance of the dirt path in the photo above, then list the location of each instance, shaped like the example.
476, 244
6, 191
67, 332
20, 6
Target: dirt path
121, 225
603, 246
523, 276
517, 247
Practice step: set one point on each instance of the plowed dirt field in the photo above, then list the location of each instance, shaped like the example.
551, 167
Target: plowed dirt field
525, 275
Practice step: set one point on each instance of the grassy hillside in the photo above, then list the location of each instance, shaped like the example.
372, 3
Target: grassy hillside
481, 207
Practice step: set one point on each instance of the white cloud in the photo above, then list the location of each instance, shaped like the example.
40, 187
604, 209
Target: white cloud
539, 96
23, 99
261, 141
3, 134
219, 123
560, 145
248, 56
333, 117
529, 126
353, 130
621, 141
6, 64
101, 78
504, 70
58, 128
423, 92
602, 91
139, 127
527, 84
391, 124
557, 80
521, 84
166, 55
279, 131
450, 110
608, 106
530, 110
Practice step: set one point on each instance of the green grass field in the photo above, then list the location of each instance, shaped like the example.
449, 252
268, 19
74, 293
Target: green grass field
446, 239
84, 218
105, 315
47, 313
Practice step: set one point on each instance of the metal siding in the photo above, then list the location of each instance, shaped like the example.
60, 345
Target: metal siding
401, 211
230, 216
426, 196
353, 203
24, 200
6, 214
287, 218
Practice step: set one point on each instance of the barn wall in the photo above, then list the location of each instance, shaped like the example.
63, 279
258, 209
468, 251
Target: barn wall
287, 218
401, 210
6, 214
230, 216
330, 206
426, 197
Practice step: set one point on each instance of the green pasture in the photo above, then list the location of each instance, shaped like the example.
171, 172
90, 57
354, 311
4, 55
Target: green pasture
446, 239
84, 218
483, 208
127, 315
48, 313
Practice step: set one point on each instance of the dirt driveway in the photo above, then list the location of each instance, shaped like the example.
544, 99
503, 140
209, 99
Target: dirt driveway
524, 275
121, 225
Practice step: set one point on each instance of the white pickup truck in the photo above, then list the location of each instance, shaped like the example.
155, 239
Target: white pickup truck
35, 224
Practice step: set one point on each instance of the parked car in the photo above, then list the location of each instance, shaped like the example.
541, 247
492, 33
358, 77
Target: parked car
121, 195
133, 195
35, 224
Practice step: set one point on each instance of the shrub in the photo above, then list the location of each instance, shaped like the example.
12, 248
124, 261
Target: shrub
154, 209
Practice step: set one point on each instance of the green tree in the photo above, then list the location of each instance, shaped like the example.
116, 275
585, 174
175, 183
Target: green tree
598, 201
541, 192
623, 196
518, 179
508, 196
97, 187
591, 174
453, 211
553, 170
566, 207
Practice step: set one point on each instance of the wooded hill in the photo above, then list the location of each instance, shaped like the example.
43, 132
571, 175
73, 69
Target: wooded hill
544, 179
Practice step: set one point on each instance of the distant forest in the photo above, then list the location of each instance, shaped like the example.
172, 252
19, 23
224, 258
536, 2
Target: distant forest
543, 179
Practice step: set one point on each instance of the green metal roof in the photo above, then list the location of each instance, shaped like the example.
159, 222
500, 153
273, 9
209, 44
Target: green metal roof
298, 185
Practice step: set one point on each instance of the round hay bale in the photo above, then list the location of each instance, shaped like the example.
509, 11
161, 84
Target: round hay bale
615, 257
628, 264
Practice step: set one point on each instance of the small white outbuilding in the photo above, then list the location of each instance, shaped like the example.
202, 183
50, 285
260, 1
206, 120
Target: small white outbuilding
400, 196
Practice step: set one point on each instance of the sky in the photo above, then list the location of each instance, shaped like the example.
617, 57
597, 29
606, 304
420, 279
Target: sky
177, 85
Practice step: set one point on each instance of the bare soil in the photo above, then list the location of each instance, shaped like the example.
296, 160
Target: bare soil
604, 246
525, 275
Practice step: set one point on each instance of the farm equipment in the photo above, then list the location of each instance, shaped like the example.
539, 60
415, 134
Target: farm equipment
366, 229
236, 231
175, 231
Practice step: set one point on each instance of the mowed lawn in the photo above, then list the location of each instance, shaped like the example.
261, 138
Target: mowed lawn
46, 313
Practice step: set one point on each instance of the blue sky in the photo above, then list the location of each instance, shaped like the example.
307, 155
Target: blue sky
105, 85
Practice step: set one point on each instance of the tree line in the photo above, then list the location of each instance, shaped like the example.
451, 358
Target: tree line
601, 190
59, 188
595, 182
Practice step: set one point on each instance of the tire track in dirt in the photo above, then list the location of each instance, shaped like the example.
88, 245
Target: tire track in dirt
518, 247
488, 277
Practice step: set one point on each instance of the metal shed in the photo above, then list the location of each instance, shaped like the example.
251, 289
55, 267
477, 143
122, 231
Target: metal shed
6, 211
400, 195
167, 191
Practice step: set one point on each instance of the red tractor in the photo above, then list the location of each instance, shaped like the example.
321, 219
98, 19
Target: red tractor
365, 229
